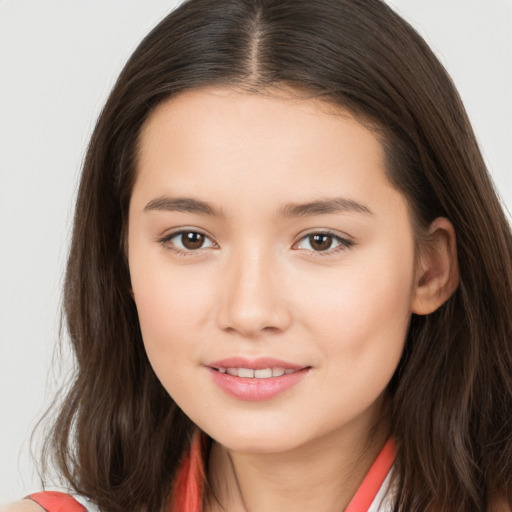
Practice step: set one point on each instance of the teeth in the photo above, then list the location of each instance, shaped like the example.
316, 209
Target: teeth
246, 372
249, 373
263, 374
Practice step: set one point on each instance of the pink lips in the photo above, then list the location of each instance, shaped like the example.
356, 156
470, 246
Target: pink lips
256, 389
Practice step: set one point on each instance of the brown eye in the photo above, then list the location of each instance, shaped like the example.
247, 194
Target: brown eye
325, 242
192, 240
320, 242
187, 241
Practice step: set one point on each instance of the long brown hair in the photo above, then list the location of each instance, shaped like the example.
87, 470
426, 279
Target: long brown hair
119, 436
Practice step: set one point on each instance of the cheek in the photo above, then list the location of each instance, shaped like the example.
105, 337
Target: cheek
171, 307
362, 311
359, 323
171, 304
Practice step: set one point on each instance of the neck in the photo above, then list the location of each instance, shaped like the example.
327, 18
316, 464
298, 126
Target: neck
321, 475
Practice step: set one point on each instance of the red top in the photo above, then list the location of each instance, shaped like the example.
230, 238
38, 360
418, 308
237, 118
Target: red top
53, 501
190, 477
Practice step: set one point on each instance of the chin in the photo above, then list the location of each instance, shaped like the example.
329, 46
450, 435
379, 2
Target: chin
259, 441
255, 446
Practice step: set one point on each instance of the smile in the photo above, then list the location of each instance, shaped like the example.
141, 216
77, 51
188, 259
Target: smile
256, 380
249, 373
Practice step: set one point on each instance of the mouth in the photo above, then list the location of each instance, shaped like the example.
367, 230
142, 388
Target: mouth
256, 380
261, 373
260, 368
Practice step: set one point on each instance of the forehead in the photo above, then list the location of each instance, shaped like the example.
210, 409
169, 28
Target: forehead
225, 112
238, 145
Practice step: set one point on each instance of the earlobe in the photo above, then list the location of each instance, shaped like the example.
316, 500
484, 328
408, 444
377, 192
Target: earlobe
437, 272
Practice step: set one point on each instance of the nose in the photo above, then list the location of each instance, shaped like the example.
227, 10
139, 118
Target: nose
252, 297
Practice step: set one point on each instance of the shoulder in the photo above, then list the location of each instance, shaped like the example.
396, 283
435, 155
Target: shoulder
22, 506
49, 501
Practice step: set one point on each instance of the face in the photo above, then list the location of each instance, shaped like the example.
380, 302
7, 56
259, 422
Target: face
272, 266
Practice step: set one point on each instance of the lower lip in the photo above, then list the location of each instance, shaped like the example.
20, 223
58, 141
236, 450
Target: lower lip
255, 390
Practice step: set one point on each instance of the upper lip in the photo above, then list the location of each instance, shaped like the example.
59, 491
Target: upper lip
255, 364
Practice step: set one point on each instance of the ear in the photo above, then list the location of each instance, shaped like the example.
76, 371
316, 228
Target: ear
437, 270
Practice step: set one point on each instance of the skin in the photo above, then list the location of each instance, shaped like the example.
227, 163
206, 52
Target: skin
257, 287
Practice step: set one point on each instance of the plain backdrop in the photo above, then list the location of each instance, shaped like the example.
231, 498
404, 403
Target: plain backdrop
58, 61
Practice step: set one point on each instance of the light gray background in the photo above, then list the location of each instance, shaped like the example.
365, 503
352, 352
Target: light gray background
58, 61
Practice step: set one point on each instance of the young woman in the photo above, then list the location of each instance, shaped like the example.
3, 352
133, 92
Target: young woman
290, 280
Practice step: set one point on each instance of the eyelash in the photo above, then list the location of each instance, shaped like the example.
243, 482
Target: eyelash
344, 243
165, 242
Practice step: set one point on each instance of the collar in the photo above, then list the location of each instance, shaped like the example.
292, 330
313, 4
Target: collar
190, 478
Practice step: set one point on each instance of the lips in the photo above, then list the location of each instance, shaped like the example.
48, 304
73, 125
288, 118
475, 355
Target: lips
255, 364
263, 373
258, 379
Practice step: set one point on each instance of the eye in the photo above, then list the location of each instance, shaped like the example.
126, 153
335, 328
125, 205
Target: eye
323, 242
187, 241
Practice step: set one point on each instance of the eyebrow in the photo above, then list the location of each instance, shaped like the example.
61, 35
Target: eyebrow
318, 207
184, 204
323, 207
